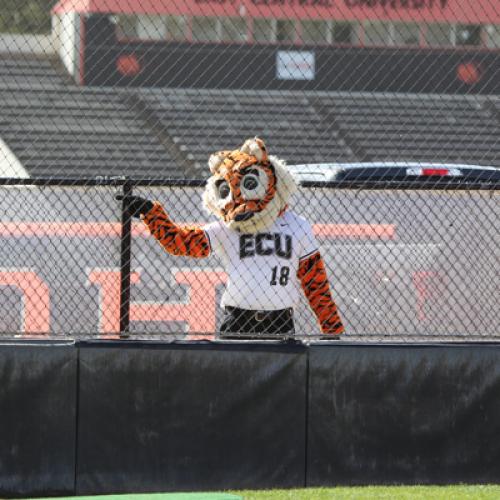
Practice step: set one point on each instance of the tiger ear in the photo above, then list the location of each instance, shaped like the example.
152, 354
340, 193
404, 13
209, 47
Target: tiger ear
215, 161
255, 147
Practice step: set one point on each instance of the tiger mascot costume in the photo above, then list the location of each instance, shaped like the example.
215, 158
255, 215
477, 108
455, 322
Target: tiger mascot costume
269, 252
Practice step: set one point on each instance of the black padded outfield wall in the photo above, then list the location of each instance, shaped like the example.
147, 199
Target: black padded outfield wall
403, 414
38, 382
111, 417
159, 417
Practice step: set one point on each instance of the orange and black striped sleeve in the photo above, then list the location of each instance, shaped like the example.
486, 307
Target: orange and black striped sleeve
314, 282
176, 240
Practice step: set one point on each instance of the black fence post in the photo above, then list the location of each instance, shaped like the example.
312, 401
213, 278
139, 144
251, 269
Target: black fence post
125, 258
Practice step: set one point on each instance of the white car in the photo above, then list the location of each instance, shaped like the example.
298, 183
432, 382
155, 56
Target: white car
394, 171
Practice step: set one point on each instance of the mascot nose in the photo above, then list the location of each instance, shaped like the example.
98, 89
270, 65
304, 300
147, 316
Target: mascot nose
244, 216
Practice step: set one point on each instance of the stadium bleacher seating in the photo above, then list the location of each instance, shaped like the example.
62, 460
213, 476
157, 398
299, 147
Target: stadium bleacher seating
201, 121
59, 129
80, 133
30, 71
458, 129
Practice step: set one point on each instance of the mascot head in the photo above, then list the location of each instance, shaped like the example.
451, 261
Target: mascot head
248, 189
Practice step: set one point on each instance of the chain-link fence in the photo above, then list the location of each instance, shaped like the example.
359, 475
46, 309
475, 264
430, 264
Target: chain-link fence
106, 96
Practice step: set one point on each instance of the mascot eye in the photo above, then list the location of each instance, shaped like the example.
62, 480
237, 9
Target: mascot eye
253, 184
223, 189
250, 182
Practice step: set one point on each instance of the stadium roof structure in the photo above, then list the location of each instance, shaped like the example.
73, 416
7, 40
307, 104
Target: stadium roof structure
459, 11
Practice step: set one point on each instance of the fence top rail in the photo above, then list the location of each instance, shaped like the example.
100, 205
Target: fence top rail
425, 184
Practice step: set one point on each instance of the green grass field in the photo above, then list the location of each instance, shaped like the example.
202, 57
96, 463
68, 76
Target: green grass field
480, 492
490, 492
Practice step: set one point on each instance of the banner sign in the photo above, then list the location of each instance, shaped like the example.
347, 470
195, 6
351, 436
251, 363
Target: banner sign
295, 65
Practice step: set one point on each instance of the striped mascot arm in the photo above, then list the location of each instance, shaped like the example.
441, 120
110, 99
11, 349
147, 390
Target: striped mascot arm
314, 281
176, 240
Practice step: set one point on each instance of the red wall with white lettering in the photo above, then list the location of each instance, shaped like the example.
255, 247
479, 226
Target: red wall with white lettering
462, 11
